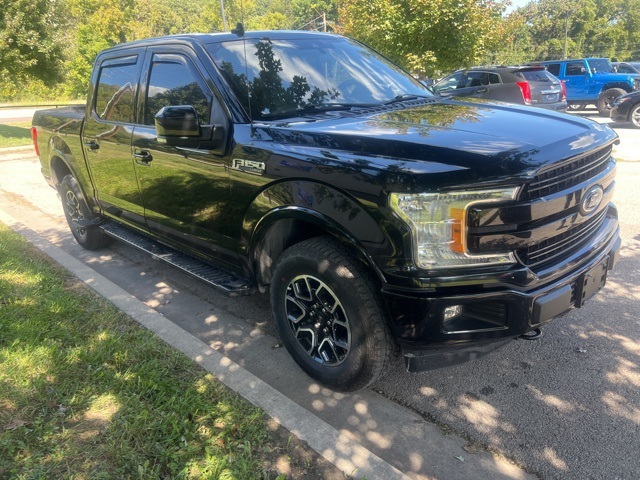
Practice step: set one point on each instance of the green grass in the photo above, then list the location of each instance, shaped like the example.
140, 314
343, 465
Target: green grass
87, 393
15, 134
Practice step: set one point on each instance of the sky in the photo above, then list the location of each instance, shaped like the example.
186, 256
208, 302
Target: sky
516, 4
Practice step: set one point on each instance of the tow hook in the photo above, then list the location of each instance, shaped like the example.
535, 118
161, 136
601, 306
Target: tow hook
532, 335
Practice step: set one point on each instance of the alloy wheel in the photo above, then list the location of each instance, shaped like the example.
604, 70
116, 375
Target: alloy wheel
74, 210
318, 320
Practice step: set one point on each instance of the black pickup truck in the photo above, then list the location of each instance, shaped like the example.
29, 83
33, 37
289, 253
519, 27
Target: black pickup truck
375, 213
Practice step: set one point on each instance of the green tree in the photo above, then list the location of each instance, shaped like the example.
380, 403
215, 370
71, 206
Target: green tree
426, 35
602, 28
29, 48
315, 14
100, 24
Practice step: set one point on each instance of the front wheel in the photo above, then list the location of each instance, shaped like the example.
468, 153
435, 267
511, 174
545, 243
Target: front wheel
329, 315
606, 99
77, 212
634, 116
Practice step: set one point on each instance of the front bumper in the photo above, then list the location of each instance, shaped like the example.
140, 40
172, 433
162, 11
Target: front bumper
617, 115
484, 320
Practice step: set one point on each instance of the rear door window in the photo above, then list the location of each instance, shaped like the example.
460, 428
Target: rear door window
493, 78
475, 79
115, 94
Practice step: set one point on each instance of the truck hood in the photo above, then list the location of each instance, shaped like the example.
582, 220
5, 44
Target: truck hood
446, 135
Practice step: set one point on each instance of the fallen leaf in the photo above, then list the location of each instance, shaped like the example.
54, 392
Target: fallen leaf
15, 423
471, 448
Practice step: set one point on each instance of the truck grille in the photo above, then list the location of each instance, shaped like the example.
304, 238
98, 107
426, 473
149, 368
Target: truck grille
566, 174
546, 225
553, 247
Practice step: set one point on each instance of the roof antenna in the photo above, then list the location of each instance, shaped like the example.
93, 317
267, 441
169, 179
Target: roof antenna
239, 30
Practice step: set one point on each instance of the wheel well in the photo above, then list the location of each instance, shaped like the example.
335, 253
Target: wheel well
623, 85
59, 170
282, 235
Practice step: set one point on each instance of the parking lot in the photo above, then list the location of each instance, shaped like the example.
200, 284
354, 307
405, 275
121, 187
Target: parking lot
564, 406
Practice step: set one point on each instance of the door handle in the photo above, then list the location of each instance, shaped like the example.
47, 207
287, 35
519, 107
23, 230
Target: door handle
481, 90
143, 157
92, 145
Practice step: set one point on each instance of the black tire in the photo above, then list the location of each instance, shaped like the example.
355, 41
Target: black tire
330, 315
606, 98
76, 209
576, 107
634, 116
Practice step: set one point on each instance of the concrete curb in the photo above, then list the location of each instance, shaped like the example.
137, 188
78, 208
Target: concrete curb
336, 447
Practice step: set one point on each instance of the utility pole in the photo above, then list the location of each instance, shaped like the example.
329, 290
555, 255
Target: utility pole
324, 22
566, 34
224, 18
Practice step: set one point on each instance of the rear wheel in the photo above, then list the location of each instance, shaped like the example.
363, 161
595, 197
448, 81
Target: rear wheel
606, 98
634, 116
329, 315
77, 213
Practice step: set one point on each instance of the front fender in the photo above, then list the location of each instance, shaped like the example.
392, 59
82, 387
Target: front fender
349, 219
623, 85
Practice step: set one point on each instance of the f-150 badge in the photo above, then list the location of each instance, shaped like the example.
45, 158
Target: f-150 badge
249, 166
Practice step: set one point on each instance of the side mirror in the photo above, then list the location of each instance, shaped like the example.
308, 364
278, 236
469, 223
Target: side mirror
177, 122
178, 126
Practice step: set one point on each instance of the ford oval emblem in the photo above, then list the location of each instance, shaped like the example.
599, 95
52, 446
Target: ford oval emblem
591, 200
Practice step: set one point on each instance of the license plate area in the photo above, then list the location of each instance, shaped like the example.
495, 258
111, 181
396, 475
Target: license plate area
591, 282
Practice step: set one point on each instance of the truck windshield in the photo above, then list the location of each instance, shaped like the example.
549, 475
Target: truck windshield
282, 78
600, 65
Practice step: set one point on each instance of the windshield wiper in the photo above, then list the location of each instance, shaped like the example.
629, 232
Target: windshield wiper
404, 97
316, 108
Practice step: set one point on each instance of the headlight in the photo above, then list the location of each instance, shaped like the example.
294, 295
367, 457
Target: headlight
438, 223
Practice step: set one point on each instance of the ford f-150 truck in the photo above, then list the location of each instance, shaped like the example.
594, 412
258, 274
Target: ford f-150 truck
376, 214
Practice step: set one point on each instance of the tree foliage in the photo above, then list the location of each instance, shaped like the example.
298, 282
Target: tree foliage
45, 42
426, 35
599, 28
28, 45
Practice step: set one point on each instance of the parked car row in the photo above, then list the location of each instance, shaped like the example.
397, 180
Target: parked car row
556, 85
626, 67
525, 85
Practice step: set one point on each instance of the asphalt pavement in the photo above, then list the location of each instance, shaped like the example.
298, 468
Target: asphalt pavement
565, 406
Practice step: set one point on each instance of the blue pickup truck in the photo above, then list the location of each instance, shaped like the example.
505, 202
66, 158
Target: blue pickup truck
591, 81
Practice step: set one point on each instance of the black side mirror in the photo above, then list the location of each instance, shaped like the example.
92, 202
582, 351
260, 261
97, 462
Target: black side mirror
177, 122
178, 126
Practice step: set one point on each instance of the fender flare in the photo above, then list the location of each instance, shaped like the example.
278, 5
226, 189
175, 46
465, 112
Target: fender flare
323, 206
619, 84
